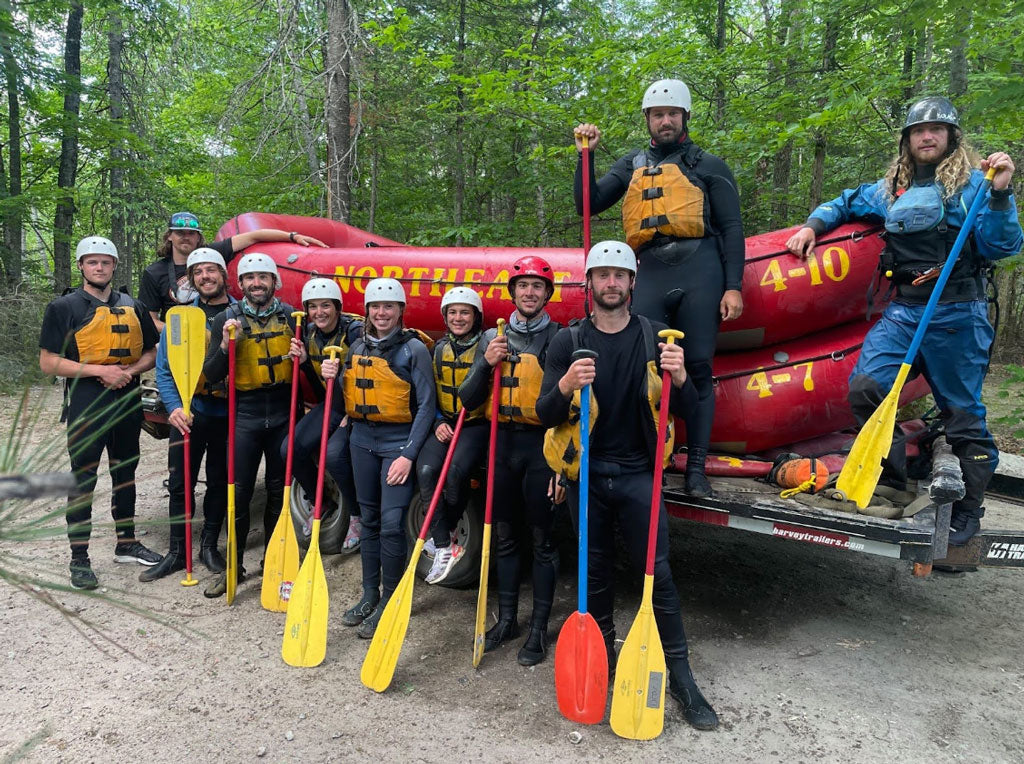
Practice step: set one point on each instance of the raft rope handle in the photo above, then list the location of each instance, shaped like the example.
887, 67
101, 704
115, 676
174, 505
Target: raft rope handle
835, 355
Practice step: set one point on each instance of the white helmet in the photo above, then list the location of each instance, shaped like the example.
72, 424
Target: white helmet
321, 289
611, 254
667, 93
384, 290
204, 255
462, 296
95, 245
257, 262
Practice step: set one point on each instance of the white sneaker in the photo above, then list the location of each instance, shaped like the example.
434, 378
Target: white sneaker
444, 560
430, 548
351, 542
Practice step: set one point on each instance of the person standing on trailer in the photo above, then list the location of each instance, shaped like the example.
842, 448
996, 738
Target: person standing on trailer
626, 379
263, 375
463, 313
681, 215
207, 428
524, 486
100, 341
165, 282
327, 326
923, 199
389, 398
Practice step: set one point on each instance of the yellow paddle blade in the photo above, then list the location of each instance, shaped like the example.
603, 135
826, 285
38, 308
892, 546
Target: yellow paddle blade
382, 657
481, 598
305, 628
638, 700
232, 550
186, 349
281, 565
859, 476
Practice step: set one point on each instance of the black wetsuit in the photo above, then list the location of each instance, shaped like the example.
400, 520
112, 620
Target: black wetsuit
680, 282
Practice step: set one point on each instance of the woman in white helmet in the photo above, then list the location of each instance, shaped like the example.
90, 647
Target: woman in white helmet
462, 310
681, 215
389, 398
326, 326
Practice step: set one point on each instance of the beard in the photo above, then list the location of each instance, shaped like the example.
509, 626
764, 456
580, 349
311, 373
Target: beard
610, 300
259, 299
218, 291
668, 138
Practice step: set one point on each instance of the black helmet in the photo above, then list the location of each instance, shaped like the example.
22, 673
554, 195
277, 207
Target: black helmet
183, 221
932, 109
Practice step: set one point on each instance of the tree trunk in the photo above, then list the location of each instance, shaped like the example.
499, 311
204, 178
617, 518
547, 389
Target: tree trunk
828, 64
783, 163
719, 79
118, 201
958, 57
12, 238
337, 69
458, 165
64, 218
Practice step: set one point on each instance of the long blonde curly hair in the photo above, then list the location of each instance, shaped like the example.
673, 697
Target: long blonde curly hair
953, 172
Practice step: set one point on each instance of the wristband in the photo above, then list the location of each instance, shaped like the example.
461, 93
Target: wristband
291, 237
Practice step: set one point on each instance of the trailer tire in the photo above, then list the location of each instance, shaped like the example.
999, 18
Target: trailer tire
333, 526
469, 531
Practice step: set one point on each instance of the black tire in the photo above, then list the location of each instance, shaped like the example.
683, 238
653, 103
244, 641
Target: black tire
470, 532
333, 526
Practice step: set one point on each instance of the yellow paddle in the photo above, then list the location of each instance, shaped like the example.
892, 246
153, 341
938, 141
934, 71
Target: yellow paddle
231, 574
863, 466
638, 700
485, 552
305, 627
186, 350
381, 658
281, 564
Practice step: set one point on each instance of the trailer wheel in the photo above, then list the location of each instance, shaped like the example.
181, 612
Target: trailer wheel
469, 532
333, 526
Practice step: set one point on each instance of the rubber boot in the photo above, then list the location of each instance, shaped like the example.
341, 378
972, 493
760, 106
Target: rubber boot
507, 626
697, 484
535, 649
682, 686
545, 571
171, 562
962, 528
209, 555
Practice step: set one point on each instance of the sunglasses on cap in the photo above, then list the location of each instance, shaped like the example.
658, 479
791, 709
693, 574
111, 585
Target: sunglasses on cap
185, 222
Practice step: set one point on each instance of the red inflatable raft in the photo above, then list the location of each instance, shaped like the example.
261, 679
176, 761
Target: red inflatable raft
791, 390
783, 296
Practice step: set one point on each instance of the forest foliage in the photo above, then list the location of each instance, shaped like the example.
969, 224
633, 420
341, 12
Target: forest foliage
449, 121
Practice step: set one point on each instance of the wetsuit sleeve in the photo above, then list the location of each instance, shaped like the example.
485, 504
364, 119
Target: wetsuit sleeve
552, 406
606, 191
150, 290
725, 215
215, 368
868, 201
477, 384
997, 231
150, 336
56, 327
164, 378
422, 372
224, 247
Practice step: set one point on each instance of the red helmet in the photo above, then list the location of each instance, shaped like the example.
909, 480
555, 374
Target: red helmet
531, 265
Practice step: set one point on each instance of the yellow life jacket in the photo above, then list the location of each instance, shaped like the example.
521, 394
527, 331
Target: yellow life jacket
521, 375
562, 443
316, 351
665, 197
450, 369
374, 392
110, 335
262, 358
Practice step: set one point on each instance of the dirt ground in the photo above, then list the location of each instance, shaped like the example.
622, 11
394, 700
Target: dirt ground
808, 654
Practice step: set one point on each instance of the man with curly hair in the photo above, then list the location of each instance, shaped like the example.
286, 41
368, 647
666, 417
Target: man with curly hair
923, 201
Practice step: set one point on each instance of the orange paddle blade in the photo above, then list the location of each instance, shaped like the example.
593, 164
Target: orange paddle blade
581, 670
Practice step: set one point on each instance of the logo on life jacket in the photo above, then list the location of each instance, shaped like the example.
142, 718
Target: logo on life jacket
262, 356
665, 197
110, 334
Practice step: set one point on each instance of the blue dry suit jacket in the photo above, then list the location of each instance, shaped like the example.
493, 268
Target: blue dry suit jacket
997, 231
206, 405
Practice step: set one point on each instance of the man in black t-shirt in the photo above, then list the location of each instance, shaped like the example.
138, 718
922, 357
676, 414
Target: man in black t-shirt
100, 341
165, 283
625, 384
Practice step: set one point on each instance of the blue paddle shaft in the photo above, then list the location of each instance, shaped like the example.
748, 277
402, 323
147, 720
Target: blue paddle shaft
584, 519
947, 269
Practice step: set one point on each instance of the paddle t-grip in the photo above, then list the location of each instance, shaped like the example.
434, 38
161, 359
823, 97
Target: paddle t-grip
671, 335
583, 353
